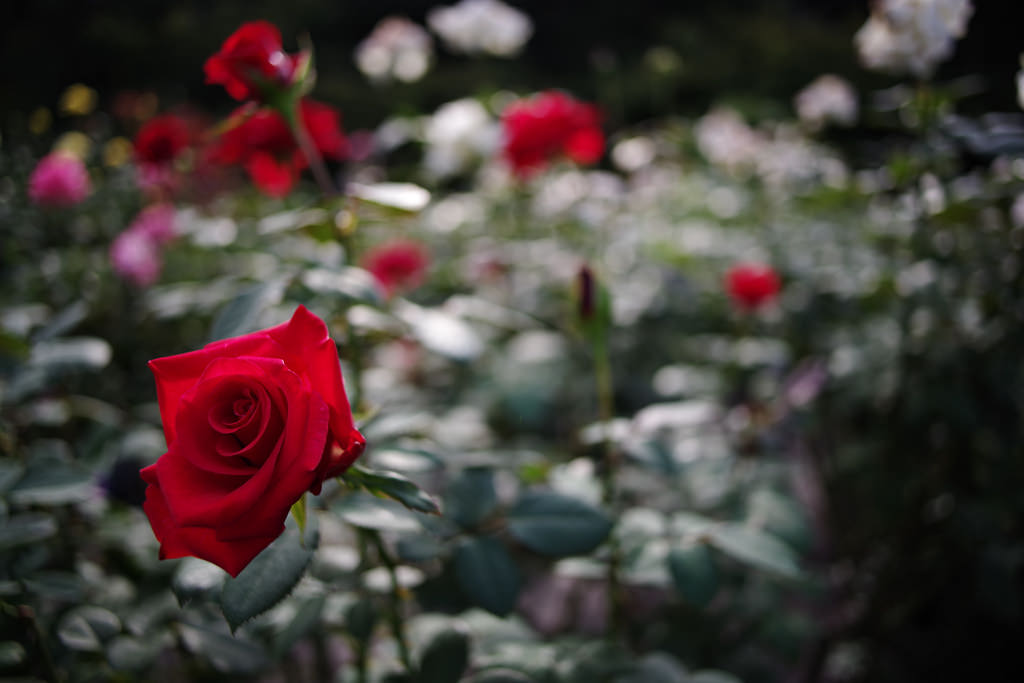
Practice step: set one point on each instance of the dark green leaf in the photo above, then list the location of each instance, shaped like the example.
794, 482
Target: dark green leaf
242, 313
11, 653
381, 514
56, 585
126, 653
487, 574
30, 527
557, 525
418, 548
86, 628
267, 580
445, 658
693, 572
227, 654
195, 578
756, 548
360, 618
470, 497
10, 472
55, 484
391, 485
501, 676
304, 621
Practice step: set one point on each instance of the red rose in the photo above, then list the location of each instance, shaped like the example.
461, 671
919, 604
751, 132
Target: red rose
162, 140
398, 265
264, 145
752, 285
251, 423
250, 60
547, 126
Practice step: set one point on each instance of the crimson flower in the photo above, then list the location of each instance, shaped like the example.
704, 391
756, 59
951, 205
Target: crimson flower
162, 140
547, 126
265, 146
251, 60
400, 265
752, 285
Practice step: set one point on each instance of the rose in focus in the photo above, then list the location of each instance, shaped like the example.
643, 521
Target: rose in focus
752, 285
548, 126
252, 423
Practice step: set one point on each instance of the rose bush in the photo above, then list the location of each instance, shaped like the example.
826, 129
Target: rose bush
252, 423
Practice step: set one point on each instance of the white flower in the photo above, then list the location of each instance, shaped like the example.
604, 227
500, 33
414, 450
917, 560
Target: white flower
725, 140
396, 49
828, 98
459, 134
481, 26
912, 35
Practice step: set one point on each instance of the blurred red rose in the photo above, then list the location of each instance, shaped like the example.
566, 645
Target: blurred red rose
162, 140
251, 60
548, 126
752, 285
400, 265
251, 423
264, 145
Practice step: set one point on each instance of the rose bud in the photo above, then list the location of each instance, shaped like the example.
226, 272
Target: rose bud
398, 266
252, 423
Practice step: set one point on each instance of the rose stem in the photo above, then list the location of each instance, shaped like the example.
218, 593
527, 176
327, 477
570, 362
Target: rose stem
309, 150
605, 403
395, 605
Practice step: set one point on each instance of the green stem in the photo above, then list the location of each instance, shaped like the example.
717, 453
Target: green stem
394, 611
310, 152
609, 474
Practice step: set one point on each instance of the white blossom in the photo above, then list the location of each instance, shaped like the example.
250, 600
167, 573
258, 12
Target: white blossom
396, 49
827, 99
459, 134
725, 140
912, 35
481, 27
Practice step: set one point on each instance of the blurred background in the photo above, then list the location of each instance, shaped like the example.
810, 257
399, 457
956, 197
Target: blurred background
639, 59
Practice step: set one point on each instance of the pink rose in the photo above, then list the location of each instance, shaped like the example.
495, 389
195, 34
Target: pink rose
59, 179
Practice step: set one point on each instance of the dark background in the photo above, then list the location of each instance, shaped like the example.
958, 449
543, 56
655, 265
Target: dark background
752, 52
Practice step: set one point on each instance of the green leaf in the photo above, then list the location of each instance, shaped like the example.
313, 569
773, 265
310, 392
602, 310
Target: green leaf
10, 472
556, 525
127, 653
756, 548
86, 628
299, 515
196, 578
487, 574
306, 618
267, 580
401, 196
56, 585
391, 485
693, 572
712, 676
445, 658
501, 676
241, 314
53, 484
365, 511
26, 528
470, 497
360, 618
11, 653
227, 654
